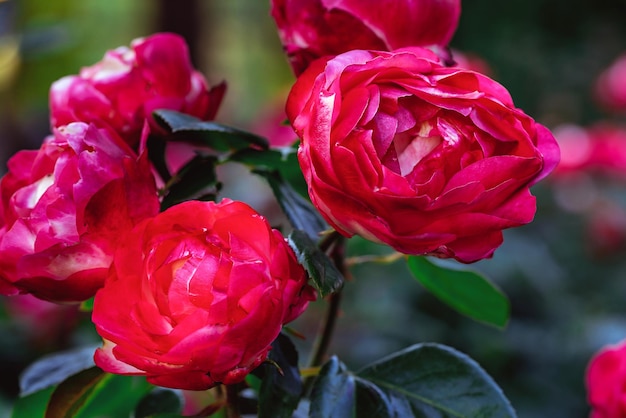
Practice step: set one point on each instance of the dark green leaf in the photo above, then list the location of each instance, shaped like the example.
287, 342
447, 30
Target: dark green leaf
334, 392
436, 381
283, 160
326, 277
210, 134
281, 386
373, 402
114, 396
269, 159
464, 290
299, 211
156, 154
196, 177
72, 393
33, 405
159, 401
55, 368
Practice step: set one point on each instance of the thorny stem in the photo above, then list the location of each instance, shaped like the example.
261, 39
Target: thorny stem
334, 245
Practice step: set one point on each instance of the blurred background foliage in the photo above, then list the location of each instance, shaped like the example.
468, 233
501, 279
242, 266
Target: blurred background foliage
566, 282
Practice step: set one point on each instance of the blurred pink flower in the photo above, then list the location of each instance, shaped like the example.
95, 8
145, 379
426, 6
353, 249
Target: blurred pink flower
606, 382
610, 87
600, 148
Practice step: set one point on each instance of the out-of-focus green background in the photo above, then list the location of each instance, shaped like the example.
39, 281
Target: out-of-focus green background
568, 291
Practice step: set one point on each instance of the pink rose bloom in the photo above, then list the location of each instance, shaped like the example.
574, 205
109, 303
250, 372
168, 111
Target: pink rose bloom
123, 89
65, 207
196, 296
600, 148
310, 29
610, 87
606, 382
425, 158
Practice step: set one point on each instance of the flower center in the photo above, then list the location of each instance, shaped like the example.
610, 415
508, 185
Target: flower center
411, 148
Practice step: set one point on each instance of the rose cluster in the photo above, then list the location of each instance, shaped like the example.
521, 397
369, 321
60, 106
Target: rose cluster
396, 145
189, 297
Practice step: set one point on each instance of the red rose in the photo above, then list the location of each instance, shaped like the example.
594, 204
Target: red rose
63, 209
606, 382
196, 296
310, 29
428, 159
123, 89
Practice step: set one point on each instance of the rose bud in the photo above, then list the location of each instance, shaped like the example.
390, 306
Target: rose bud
65, 207
123, 89
606, 382
310, 29
196, 295
404, 151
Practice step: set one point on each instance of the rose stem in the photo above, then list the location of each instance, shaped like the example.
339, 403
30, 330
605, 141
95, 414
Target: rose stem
232, 401
334, 244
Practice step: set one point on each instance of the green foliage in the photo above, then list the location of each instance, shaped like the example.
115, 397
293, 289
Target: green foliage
281, 385
213, 135
422, 381
326, 277
464, 290
158, 402
196, 179
334, 391
33, 405
282, 160
301, 214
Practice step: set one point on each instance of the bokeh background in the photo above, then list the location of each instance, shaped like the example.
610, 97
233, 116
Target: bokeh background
565, 274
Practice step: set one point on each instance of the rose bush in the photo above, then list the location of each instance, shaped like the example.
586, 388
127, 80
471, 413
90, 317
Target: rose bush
310, 29
606, 382
123, 89
196, 295
428, 159
65, 207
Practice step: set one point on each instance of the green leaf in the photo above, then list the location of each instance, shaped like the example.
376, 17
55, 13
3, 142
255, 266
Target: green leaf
196, 177
159, 401
55, 368
301, 214
464, 290
281, 385
283, 160
269, 159
87, 305
71, 394
216, 136
33, 405
156, 154
326, 277
114, 396
434, 381
334, 392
